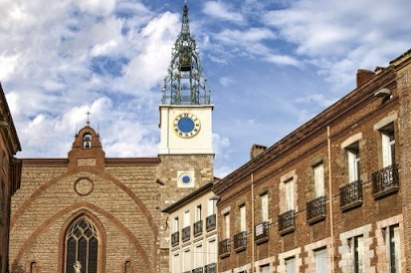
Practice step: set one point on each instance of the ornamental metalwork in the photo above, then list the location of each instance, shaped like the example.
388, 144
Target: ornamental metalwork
286, 222
210, 268
261, 232
351, 195
385, 181
185, 83
316, 210
175, 238
224, 248
211, 222
197, 270
198, 228
185, 234
240, 241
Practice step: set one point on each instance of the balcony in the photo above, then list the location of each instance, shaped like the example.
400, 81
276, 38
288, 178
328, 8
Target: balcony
385, 181
224, 248
185, 234
198, 228
211, 222
261, 233
286, 222
240, 241
197, 270
351, 195
316, 211
210, 268
175, 238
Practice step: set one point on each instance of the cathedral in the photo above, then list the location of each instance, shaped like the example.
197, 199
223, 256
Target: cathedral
90, 213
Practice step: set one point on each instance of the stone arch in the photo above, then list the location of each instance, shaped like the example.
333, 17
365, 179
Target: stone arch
102, 239
27, 203
82, 207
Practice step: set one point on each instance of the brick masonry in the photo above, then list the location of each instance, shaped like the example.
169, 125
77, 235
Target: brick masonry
123, 198
357, 117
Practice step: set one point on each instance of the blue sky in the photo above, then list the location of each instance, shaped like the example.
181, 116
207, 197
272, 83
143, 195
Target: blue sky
271, 64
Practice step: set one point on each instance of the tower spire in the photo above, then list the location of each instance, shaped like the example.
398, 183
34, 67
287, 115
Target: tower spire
185, 84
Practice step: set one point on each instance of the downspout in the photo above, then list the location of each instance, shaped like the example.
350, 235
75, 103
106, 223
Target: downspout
330, 194
252, 224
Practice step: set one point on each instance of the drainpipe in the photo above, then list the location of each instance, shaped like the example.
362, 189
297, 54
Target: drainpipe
330, 194
252, 223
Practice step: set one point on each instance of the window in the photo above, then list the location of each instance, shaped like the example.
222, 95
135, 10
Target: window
211, 207
82, 245
289, 195
392, 235
227, 226
198, 213
175, 224
319, 180
290, 265
212, 251
186, 218
199, 256
353, 153
388, 147
176, 263
32, 267
321, 262
264, 207
127, 267
265, 268
357, 254
243, 222
187, 260
87, 141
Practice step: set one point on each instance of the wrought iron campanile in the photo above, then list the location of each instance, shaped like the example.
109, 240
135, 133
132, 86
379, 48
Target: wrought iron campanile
185, 83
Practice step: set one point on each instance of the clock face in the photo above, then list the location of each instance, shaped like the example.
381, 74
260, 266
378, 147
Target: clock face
186, 125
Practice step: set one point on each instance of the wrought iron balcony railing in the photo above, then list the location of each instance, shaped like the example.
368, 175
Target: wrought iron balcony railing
197, 270
224, 248
198, 228
175, 238
210, 268
211, 222
316, 210
286, 222
385, 181
261, 233
240, 241
185, 234
351, 195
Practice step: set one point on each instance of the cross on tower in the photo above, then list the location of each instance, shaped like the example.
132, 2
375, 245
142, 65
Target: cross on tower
88, 118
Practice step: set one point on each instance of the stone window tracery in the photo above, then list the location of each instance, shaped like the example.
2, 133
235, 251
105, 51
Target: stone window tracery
81, 245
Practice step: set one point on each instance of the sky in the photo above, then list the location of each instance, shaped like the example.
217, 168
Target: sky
271, 65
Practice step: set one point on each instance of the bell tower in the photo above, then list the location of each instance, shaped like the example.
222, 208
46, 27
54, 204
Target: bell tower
186, 111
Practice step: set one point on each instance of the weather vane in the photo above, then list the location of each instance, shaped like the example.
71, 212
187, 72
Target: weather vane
88, 118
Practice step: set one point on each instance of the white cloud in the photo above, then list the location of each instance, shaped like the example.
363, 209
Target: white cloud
226, 81
341, 37
222, 11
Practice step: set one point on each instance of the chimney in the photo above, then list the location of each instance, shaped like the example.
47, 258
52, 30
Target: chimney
364, 76
256, 150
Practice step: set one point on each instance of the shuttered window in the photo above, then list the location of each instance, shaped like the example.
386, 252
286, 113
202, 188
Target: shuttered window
82, 245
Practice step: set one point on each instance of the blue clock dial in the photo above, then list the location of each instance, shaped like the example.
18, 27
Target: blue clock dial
186, 125
186, 179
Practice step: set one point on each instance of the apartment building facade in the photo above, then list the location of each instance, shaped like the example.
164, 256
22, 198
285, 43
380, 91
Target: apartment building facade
10, 173
192, 224
332, 195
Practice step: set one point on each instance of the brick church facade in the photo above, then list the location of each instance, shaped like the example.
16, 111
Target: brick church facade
105, 214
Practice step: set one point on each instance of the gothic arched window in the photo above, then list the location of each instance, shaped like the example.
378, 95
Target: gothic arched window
87, 141
82, 245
